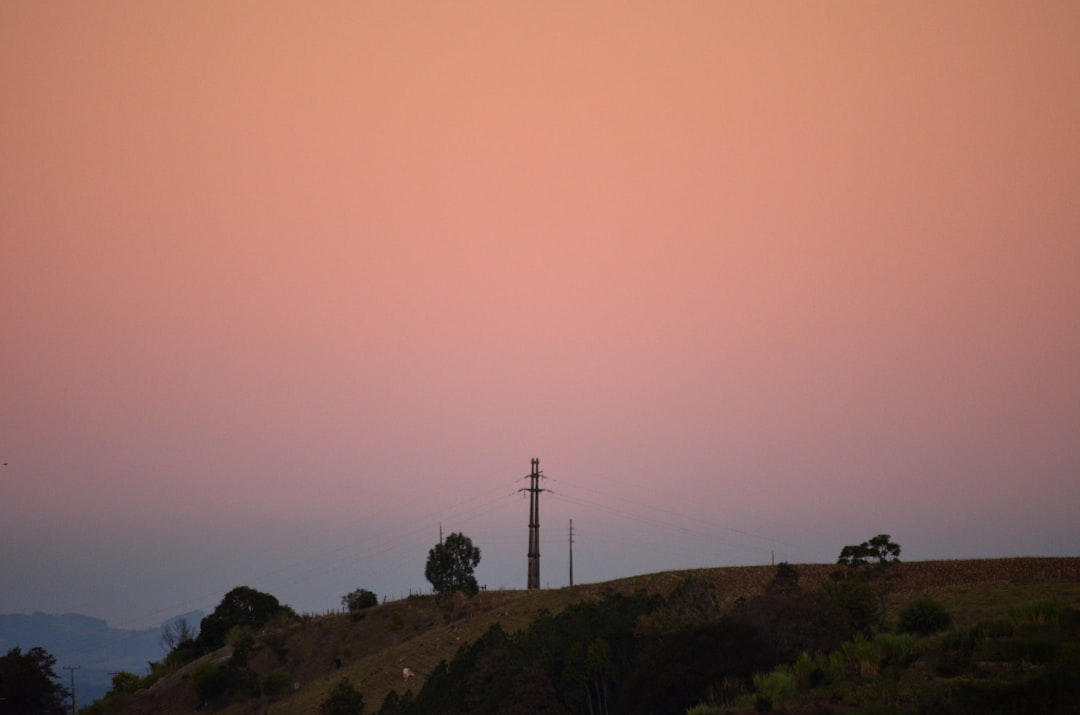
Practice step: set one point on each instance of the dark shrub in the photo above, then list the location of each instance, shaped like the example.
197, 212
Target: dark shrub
209, 681
856, 596
923, 616
804, 621
277, 684
344, 699
244, 607
359, 599
670, 674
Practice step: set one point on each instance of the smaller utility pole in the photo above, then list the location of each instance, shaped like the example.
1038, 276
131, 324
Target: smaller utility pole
571, 552
74, 705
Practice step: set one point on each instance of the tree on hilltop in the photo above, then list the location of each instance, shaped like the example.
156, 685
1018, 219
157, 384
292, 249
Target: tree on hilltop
863, 586
451, 563
879, 551
359, 599
243, 606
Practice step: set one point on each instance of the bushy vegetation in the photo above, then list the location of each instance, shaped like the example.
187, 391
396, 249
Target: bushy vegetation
344, 699
643, 653
783, 648
628, 654
1038, 613
790, 620
209, 681
239, 621
124, 685
991, 667
450, 565
277, 684
646, 654
864, 583
28, 683
241, 607
923, 616
359, 599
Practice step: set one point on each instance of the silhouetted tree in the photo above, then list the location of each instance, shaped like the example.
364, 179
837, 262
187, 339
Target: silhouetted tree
344, 699
359, 599
671, 674
868, 574
857, 597
394, 704
242, 606
878, 551
450, 565
785, 581
177, 634
923, 616
791, 620
28, 684
690, 605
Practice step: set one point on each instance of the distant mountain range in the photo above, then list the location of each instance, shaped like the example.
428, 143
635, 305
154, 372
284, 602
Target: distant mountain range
89, 643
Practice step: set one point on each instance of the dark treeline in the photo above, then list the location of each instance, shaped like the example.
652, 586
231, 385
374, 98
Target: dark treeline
632, 654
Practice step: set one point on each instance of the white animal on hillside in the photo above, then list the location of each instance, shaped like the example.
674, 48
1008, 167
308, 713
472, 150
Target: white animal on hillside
407, 673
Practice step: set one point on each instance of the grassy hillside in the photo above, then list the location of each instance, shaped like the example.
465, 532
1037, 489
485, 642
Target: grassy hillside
419, 632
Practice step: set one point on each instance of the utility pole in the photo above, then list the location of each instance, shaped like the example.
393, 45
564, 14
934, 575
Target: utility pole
534, 523
74, 705
571, 552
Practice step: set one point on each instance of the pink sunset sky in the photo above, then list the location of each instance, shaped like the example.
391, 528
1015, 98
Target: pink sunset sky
286, 286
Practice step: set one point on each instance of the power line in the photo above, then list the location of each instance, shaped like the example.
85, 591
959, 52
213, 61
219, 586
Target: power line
682, 518
667, 494
639, 518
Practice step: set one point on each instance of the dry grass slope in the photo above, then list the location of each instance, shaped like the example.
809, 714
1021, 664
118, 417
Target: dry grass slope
420, 632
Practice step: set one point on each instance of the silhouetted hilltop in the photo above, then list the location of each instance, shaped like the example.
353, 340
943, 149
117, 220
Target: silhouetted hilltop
374, 646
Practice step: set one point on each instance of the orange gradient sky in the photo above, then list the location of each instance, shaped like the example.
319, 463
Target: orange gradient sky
287, 285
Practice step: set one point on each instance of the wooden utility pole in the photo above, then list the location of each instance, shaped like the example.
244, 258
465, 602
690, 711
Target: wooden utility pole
571, 552
74, 704
534, 523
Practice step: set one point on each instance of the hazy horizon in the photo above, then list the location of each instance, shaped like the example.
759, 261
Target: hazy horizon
286, 287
